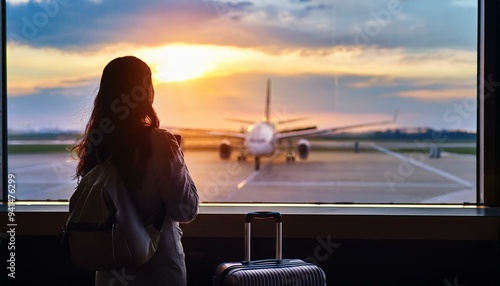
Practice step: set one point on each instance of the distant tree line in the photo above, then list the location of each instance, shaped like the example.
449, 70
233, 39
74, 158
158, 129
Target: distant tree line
413, 134
43, 135
398, 134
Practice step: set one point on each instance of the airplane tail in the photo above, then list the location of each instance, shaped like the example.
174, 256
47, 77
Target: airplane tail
268, 100
267, 117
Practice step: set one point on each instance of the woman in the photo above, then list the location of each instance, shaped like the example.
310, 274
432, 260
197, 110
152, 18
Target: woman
124, 125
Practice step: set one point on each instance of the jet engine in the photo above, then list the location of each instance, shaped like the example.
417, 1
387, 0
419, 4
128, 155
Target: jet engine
303, 147
225, 149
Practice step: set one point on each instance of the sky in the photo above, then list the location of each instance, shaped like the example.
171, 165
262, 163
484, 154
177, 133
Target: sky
336, 62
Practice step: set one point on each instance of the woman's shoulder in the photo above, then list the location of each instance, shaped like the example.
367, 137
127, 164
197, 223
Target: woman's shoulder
162, 136
160, 132
164, 145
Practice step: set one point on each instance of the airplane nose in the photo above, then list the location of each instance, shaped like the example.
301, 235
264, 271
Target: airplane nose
252, 149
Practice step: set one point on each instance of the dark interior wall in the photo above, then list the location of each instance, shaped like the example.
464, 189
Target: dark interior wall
489, 84
346, 262
363, 262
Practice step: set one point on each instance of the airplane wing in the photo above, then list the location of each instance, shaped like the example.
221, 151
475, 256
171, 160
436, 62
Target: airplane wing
240, 120
291, 120
315, 132
220, 133
227, 134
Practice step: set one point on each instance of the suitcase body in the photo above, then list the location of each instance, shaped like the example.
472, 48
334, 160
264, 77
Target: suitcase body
269, 272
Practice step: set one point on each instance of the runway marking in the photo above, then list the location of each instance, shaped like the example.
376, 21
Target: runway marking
350, 184
67, 165
36, 181
454, 197
62, 191
32, 168
255, 173
247, 179
424, 166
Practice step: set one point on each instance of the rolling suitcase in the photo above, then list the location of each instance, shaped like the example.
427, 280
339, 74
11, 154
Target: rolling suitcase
269, 272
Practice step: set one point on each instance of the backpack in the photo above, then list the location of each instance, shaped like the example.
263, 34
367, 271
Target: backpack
105, 230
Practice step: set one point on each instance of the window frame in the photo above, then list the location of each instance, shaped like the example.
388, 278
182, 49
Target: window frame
488, 69
3, 107
487, 167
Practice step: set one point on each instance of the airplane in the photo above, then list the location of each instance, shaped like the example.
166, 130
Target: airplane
262, 138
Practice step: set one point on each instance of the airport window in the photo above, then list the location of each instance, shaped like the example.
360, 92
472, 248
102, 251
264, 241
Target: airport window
276, 101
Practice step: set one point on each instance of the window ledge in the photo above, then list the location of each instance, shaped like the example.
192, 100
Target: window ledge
300, 209
349, 221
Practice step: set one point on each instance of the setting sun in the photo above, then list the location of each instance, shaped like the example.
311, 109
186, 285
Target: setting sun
179, 69
176, 63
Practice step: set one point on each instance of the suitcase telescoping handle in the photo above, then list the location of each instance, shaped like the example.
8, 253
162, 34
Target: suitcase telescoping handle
248, 230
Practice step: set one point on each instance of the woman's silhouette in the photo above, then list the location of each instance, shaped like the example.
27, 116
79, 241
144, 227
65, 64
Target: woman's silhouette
124, 125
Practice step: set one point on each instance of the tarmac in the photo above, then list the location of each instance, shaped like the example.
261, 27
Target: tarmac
373, 175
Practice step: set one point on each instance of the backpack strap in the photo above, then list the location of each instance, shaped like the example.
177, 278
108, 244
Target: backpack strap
97, 157
157, 218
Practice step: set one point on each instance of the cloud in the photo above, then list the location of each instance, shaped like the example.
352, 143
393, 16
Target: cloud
324, 100
31, 69
17, 2
344, 54
465, 3
439, 95
85, 25
377, 81
63, 108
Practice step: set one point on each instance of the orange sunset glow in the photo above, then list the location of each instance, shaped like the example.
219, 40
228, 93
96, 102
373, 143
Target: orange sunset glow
207, 61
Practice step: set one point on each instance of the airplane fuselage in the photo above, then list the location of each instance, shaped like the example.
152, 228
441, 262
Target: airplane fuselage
260, 139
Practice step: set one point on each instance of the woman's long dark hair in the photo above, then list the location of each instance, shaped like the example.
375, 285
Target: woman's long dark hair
121, 119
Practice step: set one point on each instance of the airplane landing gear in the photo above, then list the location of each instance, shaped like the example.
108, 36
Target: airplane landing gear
257, 163
242, 156
290, 157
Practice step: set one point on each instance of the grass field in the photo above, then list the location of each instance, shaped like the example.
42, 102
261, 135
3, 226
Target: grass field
38, 148
455, 150
458, 150
52, 148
